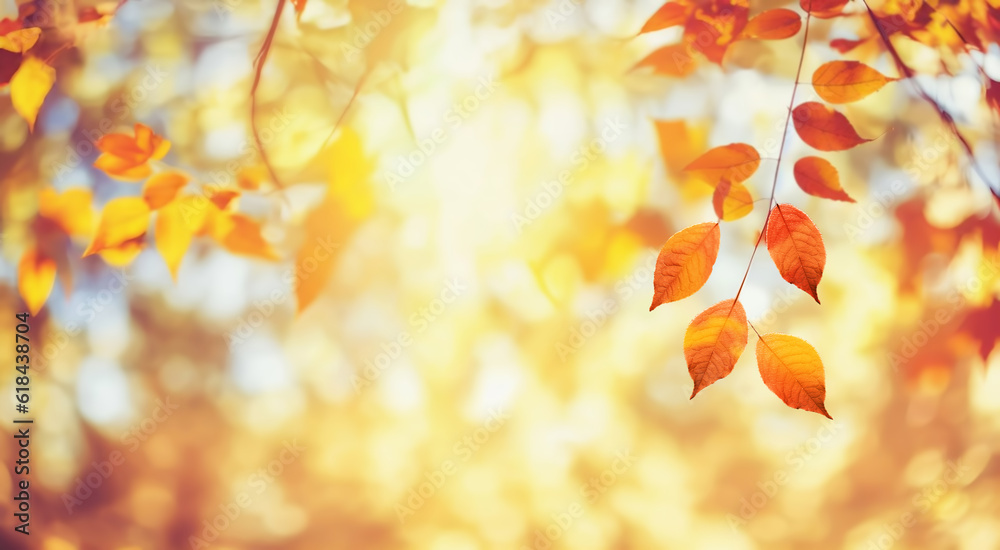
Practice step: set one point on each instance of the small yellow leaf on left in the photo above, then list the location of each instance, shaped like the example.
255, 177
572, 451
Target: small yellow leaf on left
29, 86
35, 276
124, 219
21, 40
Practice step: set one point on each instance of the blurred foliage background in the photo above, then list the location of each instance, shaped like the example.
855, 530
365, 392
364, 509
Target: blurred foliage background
479, 368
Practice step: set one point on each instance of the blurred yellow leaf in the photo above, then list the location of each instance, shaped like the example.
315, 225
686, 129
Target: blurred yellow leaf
21, 40
162, 188
349, 175
123, 254
36, 273
29, 86
123, 220
240, 234
174, 232
70, 209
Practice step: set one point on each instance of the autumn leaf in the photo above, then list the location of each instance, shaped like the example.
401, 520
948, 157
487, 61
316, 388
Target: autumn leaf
735, 162
732, 201
796, 247
823, 128
823, 9
174, 231
21, 40
223, 198
847, 81
993, 94
713, 26
685, 263
241, 235
36, 274
773, 25
300, 6
713, 343
69, 210
127, 157
124, 253
123, 220
669, 15
670, 60
162, 188
29, 86
792, 369
819, 178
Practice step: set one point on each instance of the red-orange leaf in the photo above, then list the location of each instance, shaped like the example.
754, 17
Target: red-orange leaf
792, 369
669, 15
773, 25
824, 128
796, 247
819, 178
847, 81
734, 162
824, 9
685, 262
162, 188
732, 201
714, 342
670, 60
36, 273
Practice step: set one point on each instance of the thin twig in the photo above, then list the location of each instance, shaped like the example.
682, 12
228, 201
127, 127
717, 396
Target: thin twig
259, 62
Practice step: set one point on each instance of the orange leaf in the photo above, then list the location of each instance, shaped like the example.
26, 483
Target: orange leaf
734, 162
819, 178
732, 201
792, 369
300, 6
773, 25
823, 128
124, 219
824, 9
669, 15
240, 234
70, 210
126, 157
671, 60
685, 262
847, 81
796, 247
29, 86
222, 197
714, 342
36, 273
162, 188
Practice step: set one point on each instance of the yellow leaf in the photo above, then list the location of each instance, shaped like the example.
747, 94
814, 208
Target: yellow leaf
350, 172
174, 232
162, 188
21, 40
124, 219
685, 263
124, 253
732, 201
714, 342
36, 273
29, 86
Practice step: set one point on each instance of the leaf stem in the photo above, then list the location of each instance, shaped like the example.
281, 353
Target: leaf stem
781, 150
